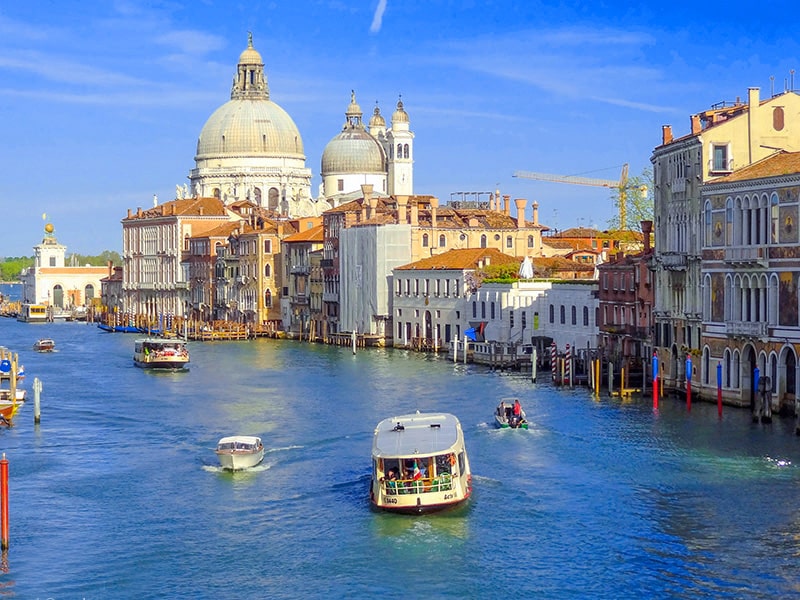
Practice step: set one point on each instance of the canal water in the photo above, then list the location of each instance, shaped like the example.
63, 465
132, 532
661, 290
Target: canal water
117, 493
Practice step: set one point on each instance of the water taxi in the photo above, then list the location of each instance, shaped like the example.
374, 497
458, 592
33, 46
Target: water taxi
154, 353
505, 416
238, 452
419, 464
44, 345
33, 313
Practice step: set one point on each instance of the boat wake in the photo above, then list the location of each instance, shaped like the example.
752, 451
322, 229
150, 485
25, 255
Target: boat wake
257, 469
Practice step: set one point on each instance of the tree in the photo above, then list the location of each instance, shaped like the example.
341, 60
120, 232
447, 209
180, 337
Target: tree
638, 202
11, 266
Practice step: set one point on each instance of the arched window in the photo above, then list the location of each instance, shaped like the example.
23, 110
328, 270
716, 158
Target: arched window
491, 310
58, 296
399, 150
552, 314
268, 299
442, 241
574, 315
424, 240
474, 310
728, 222
267, 270
483, 241
88, 293
708, 233
483, 310
773, 219
405, 151
585, 316
563, 314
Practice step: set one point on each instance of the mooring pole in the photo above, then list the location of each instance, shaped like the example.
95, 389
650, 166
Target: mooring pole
689, 382
655, 381
534, 358
4, 502
719, 389
37, 390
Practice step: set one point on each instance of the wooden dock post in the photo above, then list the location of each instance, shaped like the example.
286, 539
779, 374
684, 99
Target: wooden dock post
4, 502
37, 390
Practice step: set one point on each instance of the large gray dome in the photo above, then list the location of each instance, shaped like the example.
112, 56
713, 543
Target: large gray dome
354, 150
251, 127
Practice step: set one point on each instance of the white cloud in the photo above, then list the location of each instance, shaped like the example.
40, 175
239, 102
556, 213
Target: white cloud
377, 19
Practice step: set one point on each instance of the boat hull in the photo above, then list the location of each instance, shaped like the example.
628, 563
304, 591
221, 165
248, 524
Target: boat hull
238, 461
171, 365
502, 423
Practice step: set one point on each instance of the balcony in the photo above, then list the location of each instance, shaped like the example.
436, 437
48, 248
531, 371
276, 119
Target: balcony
326, 263
747, 255
674, 261
300, 270
746, 328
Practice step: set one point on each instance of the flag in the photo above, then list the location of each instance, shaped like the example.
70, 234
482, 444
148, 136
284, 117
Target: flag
417, 475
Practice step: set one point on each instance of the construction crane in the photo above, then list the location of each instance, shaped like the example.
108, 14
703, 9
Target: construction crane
620, 185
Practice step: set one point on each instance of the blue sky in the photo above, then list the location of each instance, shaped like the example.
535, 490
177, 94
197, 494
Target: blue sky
102, 101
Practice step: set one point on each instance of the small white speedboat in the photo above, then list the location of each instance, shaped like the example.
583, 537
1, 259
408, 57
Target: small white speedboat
238, 452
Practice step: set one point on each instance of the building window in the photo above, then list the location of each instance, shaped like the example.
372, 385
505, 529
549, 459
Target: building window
530, 241
406, 153
728, 222
511, 319
340, 185
483, 241
268, 299
483, 310
778, 118
424, 240
585, 316
267, 270
442, 241
267, 246
574, 315
524, 318
563, 314
719, 158
773, 217
552, 314
509, 242
491, 309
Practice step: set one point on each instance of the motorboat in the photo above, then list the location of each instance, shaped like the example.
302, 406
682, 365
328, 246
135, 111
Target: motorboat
504, 416
44, 345
239, 452
156, 353
419, 464
33, 313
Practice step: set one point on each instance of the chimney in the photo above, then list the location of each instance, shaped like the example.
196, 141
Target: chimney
696, 127
402, 208
647, 228
520, 202
366, 192
163, 211
434, 206
129, 213
138, 211
414, 213
535, 213
666, 134
506, 207
110, 268
753, 98
200, 211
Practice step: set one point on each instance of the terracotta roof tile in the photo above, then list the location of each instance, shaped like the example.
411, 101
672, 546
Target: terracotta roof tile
315, 234
461, 259
775, 165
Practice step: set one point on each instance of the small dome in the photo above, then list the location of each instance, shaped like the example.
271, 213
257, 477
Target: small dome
400, 115
353, 151
250, 128
250, 56
377, 120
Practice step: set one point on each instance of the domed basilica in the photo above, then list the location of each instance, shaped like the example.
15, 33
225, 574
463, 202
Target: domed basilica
250, 149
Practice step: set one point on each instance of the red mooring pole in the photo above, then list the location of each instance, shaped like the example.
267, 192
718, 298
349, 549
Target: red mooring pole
655, 381
4, 502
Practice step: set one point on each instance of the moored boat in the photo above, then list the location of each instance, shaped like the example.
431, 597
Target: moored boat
155, 353
419, 464
510, 415
33, 313
44, 345
239, 452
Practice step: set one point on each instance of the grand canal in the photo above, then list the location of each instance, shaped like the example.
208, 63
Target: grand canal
116, 494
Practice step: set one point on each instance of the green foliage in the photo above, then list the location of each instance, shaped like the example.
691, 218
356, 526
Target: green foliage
639, 204
10, 267
100, 260
507, 271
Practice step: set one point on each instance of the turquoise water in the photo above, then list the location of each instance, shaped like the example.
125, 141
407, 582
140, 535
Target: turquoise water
117, 493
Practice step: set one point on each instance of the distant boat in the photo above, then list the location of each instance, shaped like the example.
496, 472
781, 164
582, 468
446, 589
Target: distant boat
33, 313
504, 416
156, 353
239, 452
44, 345
419, 464
119, 328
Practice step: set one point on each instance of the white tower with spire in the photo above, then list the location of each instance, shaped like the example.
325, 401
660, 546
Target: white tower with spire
400, 152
